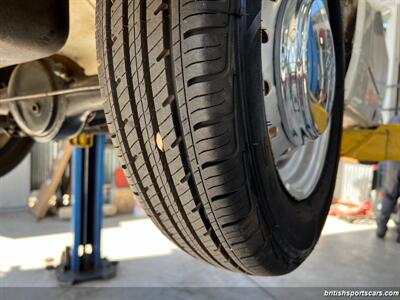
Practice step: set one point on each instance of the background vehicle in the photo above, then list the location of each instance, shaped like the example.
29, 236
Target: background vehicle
226, 115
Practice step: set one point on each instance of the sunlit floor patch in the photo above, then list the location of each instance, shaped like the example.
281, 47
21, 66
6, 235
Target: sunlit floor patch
130, 240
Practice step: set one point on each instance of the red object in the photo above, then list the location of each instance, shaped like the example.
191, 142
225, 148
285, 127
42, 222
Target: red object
120, 179
352, 211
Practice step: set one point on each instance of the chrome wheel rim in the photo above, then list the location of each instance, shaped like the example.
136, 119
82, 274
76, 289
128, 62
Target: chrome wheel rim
299, 72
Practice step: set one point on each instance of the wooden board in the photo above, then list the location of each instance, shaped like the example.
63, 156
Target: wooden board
49, 187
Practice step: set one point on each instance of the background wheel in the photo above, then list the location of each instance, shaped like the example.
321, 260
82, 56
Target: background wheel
187, 86
12, 152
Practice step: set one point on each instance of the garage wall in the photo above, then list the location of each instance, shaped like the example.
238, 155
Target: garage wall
354, 182
15, 187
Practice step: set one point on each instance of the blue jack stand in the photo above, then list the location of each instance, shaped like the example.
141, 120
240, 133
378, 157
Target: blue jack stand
84, 262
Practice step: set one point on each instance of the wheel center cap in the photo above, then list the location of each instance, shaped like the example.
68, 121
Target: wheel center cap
305, 67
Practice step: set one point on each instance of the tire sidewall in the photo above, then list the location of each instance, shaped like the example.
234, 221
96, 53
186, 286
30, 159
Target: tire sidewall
295, 226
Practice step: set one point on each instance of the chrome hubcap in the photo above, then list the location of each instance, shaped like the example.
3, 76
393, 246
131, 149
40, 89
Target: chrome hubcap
299, 70
306, 69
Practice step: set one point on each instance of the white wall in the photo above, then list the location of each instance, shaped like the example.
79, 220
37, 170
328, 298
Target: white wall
15, 187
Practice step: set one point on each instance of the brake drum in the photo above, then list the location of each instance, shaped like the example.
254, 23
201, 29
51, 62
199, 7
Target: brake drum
39, 118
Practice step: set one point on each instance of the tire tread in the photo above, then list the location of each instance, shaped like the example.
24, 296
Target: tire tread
168, 69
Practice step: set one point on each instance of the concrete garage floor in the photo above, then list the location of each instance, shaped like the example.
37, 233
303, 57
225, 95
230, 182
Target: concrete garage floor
348, 255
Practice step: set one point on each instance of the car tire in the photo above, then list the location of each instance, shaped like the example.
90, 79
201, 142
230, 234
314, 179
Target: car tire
184, 103
13, 153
